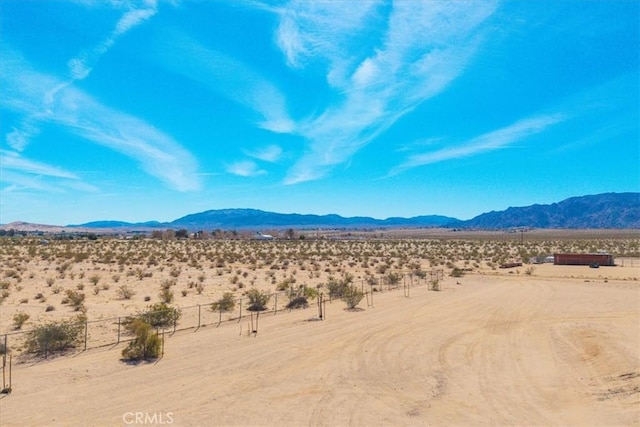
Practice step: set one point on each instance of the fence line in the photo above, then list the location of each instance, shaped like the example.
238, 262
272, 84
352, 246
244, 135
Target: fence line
112, 331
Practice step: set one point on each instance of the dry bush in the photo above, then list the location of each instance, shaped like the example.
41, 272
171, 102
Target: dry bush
352, 296
257, 300
224, 304
125, 292
56, 336
146, 343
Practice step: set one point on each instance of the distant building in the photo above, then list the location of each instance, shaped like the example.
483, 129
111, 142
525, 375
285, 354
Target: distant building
261, 236
583, 259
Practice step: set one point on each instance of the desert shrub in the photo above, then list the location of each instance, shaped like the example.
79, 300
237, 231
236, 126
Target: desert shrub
352, 296
529, 271
160, 315
167, 283
298, 302
310, 293
457, 272
146, 344
49, 308
224, 304
257, 300
19, 319
125, 292
56, 336
336, 288
166, 295
76, 299
392, 279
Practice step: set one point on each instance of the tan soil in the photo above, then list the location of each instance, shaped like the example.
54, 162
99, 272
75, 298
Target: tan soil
503, 350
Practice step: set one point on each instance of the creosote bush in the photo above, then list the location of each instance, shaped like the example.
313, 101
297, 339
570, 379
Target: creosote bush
19, 319
257, 300
146, 344
158, 315
125, 292
76, 300
457, 272
298, 302
56, 336
224, 304
352, 296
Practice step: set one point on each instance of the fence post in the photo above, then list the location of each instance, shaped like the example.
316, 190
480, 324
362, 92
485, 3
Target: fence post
240, 315
275, 308
175, 319
118, 331
198, 316
371, 289
86, 334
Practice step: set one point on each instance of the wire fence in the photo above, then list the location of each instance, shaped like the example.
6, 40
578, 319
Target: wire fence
113, 331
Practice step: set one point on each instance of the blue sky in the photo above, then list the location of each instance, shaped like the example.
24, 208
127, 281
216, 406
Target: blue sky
151, 110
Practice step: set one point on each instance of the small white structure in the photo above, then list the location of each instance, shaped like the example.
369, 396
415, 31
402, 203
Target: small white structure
260, 236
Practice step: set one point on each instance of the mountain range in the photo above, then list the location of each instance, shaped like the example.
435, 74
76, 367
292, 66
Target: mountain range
609, 210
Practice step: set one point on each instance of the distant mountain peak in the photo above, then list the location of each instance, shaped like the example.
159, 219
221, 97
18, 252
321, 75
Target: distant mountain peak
608, 210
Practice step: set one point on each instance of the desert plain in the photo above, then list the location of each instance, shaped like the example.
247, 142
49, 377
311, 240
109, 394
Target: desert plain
536, 344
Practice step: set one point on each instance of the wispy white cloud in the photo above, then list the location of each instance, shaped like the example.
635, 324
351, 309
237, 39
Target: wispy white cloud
82, 65
245, 168
20, 137
326, 31
78, 113
228, 77
426, 46
19, 173
14, 161
500, 138
269, 154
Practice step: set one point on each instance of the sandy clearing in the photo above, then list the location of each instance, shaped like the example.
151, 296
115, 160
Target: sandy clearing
494, 350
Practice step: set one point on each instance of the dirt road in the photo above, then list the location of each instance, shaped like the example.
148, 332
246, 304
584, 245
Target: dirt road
490, 351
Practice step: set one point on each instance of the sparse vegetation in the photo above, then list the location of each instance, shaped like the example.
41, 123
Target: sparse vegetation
146, 343
257, 300
19, 319
225, 304
125, 292
223, 266
55, 336
352, 295
160, 315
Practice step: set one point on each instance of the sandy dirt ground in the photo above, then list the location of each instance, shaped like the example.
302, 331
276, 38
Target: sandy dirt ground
504, 349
